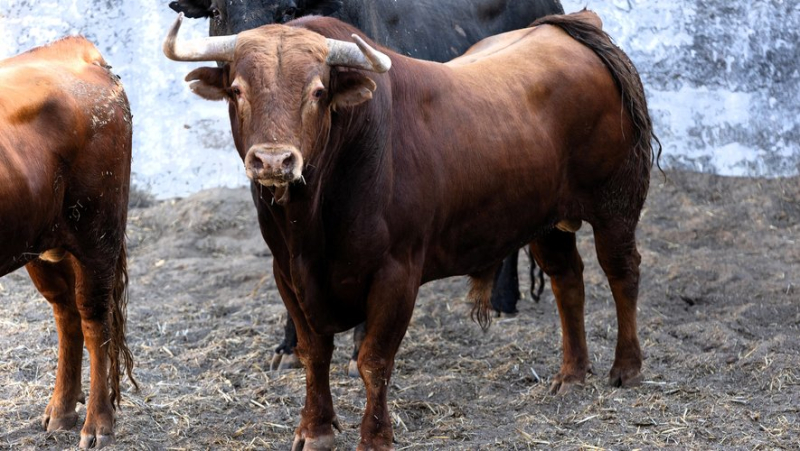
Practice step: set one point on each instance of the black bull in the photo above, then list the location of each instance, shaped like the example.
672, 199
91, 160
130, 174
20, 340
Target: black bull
433, 30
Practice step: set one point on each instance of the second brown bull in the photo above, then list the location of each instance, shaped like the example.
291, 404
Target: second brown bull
370, 181
65, 163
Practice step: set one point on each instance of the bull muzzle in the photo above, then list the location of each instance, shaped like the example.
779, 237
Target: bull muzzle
274, 165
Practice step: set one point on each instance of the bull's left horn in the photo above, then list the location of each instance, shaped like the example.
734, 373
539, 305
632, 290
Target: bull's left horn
217, 48
359, 55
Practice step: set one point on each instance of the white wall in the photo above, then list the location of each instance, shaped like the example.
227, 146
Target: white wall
722, 79
181, 143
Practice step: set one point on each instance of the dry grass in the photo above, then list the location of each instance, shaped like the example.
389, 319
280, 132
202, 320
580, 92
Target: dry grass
719, 323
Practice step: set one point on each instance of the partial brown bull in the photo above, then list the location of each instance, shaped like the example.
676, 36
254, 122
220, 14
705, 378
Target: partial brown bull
370, 181
65, 155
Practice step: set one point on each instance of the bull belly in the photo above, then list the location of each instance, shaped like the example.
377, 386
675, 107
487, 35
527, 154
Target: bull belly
12, 261
471, 255
18, 245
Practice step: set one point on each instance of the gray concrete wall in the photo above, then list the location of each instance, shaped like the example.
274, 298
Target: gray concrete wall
722, 77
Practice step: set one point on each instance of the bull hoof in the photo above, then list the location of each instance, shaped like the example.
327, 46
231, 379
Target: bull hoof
98, 429
562, 387
569, 379
375, 447
53, 422
96, 441
325, 441
282, 362
625, 378
352, 369
322, 443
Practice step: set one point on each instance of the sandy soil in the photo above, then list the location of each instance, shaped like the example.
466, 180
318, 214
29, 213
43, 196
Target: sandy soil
719, 321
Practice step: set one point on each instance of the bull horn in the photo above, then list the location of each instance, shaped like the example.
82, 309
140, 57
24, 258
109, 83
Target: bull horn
217, 48
359, 55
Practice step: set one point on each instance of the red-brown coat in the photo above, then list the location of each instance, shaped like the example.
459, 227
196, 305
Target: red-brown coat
65, 154
368, 185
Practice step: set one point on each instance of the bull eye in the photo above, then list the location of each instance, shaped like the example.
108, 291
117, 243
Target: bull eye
235, 93
318, 93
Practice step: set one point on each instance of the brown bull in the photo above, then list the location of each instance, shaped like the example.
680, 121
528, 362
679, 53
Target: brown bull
368, 184
65, 155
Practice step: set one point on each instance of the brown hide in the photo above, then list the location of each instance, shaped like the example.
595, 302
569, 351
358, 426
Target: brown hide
65, 154
445, 168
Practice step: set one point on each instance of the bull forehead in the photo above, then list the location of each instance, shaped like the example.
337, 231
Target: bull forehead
275, 66
280, 51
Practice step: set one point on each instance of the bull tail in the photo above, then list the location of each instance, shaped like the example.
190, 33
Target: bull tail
480, 293
120, 357
583, 27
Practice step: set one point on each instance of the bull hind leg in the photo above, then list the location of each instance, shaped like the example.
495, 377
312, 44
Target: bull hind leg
94, 285
557, 254
101, 297
619, 258
53, 276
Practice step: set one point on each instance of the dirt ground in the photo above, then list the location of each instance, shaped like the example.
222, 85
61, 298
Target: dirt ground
719, 322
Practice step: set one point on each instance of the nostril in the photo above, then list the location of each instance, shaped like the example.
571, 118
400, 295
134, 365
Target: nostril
287, 162
256, 164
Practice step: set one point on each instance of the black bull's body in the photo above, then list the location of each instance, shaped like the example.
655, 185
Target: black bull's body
436, 30
425, 29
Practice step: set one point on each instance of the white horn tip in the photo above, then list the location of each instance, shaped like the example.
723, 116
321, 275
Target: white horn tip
172, 36
380, 61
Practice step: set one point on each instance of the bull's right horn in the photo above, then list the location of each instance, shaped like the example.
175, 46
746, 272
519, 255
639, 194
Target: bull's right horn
359, 55
217, 48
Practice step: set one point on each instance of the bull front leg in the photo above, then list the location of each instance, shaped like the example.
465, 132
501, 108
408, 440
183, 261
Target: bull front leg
389, 309
317, 419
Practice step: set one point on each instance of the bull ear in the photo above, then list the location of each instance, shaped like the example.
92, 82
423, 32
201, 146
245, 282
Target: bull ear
352, 88
321, 7
194, 9
208, 82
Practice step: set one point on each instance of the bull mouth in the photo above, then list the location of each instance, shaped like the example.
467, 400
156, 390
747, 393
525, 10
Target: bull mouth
276, 182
